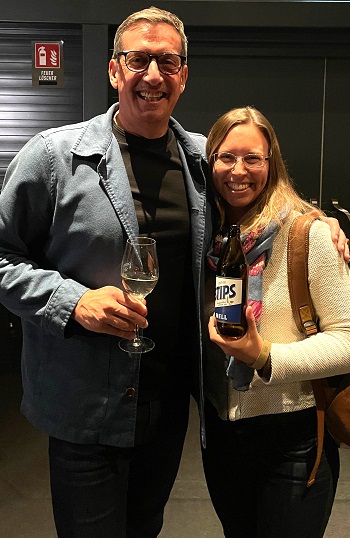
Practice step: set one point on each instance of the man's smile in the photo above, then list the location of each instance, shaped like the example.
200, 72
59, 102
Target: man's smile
150, 96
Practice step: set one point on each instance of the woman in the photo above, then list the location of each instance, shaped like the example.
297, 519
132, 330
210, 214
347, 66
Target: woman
261, 435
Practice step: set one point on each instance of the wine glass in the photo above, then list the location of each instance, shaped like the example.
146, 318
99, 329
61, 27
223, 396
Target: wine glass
139, 272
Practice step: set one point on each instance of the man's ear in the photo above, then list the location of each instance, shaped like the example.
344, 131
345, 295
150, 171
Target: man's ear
184, 75
113, 73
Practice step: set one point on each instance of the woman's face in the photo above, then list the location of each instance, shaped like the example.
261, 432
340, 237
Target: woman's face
238, 185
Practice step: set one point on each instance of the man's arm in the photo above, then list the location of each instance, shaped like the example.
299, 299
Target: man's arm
338, 236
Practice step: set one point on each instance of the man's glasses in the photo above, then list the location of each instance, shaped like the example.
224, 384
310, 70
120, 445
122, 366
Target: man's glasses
138, 61
251, 160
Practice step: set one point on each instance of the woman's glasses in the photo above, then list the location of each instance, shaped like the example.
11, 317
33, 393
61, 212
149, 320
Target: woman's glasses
251, 160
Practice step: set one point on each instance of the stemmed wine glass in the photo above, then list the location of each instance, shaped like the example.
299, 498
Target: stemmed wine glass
139, 272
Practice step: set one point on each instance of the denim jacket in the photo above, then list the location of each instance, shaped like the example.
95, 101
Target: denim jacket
65, 211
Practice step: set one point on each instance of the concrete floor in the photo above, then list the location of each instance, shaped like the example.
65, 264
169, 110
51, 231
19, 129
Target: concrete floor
25, 510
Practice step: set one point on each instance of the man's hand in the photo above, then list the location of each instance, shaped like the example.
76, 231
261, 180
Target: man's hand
337, 234
110, 310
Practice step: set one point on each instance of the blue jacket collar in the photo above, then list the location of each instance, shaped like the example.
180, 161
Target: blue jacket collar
98, 135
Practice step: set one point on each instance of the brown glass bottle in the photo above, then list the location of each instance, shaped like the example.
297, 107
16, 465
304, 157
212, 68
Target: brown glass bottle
231, 286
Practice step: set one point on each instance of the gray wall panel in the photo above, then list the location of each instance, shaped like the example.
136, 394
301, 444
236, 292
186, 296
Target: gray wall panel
25, 109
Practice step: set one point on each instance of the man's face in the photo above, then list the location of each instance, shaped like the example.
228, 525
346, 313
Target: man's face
147, 99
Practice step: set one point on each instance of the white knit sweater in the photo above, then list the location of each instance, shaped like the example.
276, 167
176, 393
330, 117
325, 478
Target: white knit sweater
295, 360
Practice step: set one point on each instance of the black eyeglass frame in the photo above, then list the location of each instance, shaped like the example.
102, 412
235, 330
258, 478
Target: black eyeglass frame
150, 58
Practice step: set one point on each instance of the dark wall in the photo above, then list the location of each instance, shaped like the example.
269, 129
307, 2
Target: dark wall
245, 13
10, 341
299, 78
95, 18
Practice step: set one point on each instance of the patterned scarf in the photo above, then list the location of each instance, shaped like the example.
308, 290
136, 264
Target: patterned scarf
257, 247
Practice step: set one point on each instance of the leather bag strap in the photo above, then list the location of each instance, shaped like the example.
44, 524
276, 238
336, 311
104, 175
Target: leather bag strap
297, 259
304, 313
319, 393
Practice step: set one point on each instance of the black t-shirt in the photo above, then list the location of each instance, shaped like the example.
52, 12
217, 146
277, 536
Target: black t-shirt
158, 188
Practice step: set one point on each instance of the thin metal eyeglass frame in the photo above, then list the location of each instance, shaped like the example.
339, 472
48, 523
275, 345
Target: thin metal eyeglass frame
150, 58
237, 157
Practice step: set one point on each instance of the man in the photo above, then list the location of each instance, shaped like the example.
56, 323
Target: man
116, 421
71, 198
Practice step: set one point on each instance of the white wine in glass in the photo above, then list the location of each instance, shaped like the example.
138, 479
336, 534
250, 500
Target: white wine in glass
139, 272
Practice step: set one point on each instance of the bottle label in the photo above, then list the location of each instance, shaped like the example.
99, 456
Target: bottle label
228, 300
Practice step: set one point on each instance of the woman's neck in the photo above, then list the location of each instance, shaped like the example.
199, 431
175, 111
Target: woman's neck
235, 214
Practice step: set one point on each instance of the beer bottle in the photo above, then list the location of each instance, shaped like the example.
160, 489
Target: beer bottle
231, 286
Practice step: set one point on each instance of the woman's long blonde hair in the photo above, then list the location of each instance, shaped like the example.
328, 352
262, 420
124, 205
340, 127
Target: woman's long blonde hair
278, 192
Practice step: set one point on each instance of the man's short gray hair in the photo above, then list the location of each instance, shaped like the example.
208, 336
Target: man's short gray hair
152, 15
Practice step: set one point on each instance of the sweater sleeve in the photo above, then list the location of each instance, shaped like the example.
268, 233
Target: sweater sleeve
328, 352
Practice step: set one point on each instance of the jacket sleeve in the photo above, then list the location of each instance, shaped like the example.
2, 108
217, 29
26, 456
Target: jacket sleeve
328, 352
29, 287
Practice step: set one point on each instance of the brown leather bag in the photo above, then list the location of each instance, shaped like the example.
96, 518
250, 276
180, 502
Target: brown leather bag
332, 395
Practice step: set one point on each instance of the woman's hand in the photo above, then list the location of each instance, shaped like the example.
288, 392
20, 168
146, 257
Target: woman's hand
338, 236
247, 348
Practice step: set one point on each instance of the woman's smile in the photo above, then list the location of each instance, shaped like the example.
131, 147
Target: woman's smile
238, 186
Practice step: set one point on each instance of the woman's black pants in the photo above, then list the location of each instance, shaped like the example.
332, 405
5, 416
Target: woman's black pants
256, 471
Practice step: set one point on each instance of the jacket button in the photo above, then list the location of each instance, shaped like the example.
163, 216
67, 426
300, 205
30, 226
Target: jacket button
130, 392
